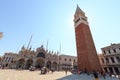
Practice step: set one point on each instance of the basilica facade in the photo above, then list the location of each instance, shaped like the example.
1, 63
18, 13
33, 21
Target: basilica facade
38, 58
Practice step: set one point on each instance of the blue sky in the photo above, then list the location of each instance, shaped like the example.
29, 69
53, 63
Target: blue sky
52, 21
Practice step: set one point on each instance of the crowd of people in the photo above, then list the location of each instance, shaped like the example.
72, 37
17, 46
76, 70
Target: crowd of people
96, 74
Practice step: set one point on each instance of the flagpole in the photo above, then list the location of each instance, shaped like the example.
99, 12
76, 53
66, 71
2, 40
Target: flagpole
60, 49
29, 41
47, 46
59, 57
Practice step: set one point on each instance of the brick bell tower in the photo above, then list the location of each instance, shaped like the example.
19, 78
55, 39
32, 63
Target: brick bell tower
86, 52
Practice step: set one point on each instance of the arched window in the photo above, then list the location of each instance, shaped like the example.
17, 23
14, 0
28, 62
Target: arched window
104, 52
102, 60
118, 59
114, 50
41, 54
74, 60
65, 59
109, 51
70, 60
112, 59
107, 60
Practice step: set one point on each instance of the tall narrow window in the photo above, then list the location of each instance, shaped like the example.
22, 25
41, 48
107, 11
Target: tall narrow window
6, 59
104, 52
114, 50
105, 69
112, 59
111, 70
102, 60
116, 70
107, 60
70, 60
65, 59
74, 60
118, 59
77, 20
109, 51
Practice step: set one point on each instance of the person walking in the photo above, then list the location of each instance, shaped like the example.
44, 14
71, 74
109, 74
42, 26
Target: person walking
66, 71
95, 75
103, 74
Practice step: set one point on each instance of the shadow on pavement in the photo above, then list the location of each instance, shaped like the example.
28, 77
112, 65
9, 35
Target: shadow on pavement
84, 77
67, 77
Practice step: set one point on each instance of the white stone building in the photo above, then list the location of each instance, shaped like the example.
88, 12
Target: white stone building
110, 58
7, 59
67, 62
0, 59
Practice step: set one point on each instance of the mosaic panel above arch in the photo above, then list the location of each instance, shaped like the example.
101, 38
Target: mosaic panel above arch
41, 54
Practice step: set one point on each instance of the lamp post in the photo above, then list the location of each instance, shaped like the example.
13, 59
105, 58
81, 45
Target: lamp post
59, 57
72, 64
58, 62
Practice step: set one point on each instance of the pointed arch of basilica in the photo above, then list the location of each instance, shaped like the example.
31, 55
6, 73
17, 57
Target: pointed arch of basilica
48, 64
20, 63
29, 63
39, 63
54, 65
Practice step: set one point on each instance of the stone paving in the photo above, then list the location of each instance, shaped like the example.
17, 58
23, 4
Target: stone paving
35, 75
85, 77
29, 75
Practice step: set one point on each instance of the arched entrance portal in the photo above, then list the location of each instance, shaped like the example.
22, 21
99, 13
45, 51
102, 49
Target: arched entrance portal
48, 65
39, 63
21, 63
28, 63
55, 65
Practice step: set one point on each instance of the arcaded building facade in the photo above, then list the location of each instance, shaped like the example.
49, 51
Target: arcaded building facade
0, 60
86, 51
110, 58
67, 62
7, 59
38, 58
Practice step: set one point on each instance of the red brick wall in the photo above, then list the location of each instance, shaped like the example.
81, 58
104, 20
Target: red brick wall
86, 52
